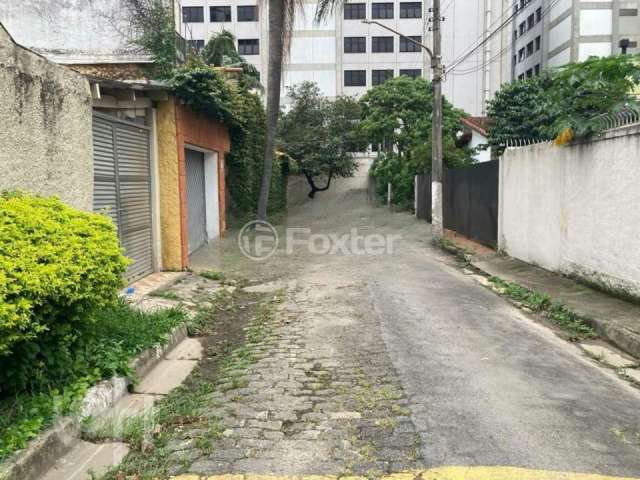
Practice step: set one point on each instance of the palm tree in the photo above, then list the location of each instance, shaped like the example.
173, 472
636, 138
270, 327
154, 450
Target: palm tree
221, 51
281, 18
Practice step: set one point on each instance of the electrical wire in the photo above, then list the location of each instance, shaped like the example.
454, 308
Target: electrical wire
501, 53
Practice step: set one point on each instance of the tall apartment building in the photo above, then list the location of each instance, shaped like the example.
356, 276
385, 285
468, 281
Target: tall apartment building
346, 57
552, 33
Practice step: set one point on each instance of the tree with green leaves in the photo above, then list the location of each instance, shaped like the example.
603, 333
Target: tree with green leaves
396, 116
564, 103
220, 51
154, 24
318, 135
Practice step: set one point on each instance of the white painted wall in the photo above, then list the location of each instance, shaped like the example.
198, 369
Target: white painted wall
211, 188
476, 140
574, 209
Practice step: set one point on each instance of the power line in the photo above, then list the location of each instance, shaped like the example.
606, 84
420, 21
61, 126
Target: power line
482, 35
508, 47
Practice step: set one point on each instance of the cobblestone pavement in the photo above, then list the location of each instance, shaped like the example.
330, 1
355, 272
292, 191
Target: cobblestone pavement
323, 397
378, 348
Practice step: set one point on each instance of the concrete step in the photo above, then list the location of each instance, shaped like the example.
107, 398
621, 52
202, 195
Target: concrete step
86, 459
188, 349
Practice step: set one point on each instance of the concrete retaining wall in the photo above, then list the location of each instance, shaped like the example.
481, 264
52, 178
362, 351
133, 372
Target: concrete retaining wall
574, 209
45, 138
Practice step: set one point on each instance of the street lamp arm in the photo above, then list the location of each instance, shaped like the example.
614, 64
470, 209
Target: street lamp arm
428, 50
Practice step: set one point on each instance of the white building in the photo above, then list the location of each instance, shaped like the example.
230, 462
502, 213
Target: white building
552, 33
345, 56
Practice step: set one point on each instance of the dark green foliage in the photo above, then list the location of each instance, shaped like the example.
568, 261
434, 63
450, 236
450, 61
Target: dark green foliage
220, 51
397, 116
565, 103
58, 268
204, 90
519, 110
98, 351
318, 135
244, 162
154, 24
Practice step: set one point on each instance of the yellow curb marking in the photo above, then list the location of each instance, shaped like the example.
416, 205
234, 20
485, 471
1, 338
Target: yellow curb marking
443, 473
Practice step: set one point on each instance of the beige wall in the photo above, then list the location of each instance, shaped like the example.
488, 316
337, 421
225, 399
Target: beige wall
574, 209
45, 133
170, 214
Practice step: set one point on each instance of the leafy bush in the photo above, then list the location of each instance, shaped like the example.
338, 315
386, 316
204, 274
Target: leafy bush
58, 266
118, 333
204, 90
564, 103
245, 160
397, 115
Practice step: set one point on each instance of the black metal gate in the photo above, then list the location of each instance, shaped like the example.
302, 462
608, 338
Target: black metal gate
470, 197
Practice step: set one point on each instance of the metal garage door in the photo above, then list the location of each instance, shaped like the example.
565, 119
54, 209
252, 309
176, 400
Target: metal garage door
122, 187
196, 209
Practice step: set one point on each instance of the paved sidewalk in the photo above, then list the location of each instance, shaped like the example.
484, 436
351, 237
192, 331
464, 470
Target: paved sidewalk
615, 320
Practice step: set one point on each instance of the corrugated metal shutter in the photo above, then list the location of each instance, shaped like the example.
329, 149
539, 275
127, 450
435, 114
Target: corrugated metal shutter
196, 209
123, 187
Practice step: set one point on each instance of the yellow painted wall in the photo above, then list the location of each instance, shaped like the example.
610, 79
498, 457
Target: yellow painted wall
169, 186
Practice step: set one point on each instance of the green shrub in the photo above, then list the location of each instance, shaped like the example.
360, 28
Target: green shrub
58, 266
118, 333
244, 163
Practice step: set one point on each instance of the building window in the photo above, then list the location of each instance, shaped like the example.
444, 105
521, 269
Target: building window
355, 78
530, 73
382, 44
355, 11
411, 72
531, 21
410, 10
536, 69
196, 45
249, 47
409, 46
193, 14
380, 76
220, 14
247, 13
538, 43
355, 44
522, 28
382, 10
521, 56
529, 49
538, 14
521, 76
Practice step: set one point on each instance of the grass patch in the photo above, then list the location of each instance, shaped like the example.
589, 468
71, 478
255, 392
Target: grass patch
191, 414
557, 312
166, 294
213, 275
118, 334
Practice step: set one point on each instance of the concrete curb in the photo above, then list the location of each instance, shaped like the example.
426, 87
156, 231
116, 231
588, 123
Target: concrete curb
626, 340
56, 441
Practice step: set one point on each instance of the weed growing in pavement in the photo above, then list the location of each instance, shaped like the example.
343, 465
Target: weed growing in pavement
558, 313
186, 423
213, 275
222, 301
166, 294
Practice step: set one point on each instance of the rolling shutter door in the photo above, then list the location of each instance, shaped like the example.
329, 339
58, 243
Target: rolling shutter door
122, 188
196, 205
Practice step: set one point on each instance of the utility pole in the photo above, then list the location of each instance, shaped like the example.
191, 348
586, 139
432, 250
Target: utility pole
437, 226
435, 57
